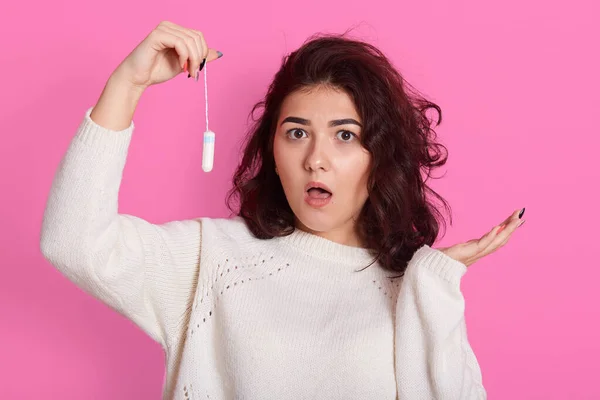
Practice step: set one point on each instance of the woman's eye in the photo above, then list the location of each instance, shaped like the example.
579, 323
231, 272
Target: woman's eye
296, 133
346, 136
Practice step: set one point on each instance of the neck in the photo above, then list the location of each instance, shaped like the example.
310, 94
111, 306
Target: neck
346, 235
321, 247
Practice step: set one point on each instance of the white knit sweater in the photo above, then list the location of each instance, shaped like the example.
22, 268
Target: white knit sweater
244, 318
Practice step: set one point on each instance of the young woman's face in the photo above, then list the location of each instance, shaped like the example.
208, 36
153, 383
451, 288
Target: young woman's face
317, 141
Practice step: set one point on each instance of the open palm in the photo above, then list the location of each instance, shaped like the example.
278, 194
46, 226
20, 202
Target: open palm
471, 251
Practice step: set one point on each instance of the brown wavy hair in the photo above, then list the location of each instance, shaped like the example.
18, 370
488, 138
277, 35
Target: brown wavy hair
397, 217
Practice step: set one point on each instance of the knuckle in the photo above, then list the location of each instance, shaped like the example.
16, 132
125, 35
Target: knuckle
189, 40
182, 48
156, 34
200, 36
199, 41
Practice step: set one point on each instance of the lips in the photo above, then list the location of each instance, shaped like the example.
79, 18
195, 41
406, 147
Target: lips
318, 190
319, 186
317, 194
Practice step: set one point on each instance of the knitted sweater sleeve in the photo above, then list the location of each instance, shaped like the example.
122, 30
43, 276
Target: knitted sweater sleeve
146, 272
433, 357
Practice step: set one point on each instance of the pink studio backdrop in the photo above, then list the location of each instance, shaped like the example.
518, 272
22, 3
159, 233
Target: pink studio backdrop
518, 86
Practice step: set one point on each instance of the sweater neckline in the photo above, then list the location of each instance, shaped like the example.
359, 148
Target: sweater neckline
326, 249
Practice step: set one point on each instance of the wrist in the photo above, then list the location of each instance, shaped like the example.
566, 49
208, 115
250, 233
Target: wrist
118, 81
117, 103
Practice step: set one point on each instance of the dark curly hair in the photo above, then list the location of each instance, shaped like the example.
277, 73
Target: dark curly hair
397, 217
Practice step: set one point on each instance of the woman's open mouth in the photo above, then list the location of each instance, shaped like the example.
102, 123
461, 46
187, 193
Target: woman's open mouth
317, 195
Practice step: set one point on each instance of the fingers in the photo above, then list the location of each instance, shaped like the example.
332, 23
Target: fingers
213, 55
208, 54
169, 41
202, 40
515, 215
503, 232
191, 42
196, 52
199, 46
487, 239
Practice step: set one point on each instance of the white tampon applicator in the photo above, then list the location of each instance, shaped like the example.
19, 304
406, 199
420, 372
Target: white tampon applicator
208, 145
208, 151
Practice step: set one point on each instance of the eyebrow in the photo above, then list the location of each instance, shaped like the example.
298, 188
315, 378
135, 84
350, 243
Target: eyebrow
335, 122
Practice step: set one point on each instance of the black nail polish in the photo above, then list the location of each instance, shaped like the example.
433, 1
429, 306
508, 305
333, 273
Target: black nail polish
189, 75
219, 54
521, 213
202, 65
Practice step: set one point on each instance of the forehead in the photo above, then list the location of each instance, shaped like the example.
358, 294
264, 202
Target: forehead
320, 102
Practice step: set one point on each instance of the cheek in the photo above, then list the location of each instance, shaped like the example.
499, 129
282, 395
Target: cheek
283, 153
356, 168
359, 190
284, 163
358, 177
276, 150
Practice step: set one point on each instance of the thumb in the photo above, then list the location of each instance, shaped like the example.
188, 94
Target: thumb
213, 55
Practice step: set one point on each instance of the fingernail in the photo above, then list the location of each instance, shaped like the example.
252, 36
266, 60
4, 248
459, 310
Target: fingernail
220, 54
202, 65
189, 75
197, 75
521, 213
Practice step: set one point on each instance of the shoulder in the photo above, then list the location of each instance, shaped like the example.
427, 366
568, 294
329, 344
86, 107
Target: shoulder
224, 239
233, 229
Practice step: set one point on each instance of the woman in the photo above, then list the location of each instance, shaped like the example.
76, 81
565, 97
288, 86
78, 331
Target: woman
323, 286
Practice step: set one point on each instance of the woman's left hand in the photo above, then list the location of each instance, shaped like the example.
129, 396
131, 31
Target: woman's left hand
471, 251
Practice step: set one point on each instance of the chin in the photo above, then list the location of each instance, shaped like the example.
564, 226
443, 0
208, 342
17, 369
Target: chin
316, 221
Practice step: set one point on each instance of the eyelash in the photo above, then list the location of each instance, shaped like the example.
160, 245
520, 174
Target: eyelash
288, 133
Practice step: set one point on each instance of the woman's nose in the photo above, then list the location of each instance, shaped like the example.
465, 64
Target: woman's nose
317, 157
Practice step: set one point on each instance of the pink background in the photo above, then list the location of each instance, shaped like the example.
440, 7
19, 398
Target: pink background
518, 85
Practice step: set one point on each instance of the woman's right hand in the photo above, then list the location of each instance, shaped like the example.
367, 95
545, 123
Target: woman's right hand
167, 51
